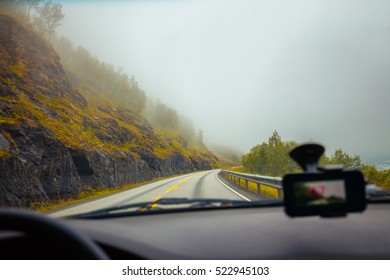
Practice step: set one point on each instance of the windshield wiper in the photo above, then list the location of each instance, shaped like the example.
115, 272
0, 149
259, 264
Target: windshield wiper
163, 205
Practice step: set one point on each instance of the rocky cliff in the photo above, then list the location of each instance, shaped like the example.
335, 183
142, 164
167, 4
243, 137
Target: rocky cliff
55, 142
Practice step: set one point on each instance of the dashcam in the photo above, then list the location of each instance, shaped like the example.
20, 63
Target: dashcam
324, 194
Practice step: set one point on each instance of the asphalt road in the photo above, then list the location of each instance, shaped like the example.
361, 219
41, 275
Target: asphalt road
205, 184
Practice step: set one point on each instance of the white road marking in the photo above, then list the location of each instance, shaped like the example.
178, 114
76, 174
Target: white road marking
240, 195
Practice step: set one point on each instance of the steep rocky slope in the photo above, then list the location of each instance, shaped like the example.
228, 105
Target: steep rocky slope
56, 141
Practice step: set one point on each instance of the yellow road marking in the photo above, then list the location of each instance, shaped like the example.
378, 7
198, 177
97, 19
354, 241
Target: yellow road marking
151, 206
174, 187
186, 179
181, 182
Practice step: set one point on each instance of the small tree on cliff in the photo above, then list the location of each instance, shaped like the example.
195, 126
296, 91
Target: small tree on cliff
49, 17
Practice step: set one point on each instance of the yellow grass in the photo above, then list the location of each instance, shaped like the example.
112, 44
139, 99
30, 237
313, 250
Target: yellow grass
4, 153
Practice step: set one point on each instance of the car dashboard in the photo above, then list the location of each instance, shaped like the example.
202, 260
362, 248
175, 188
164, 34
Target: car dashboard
244, 233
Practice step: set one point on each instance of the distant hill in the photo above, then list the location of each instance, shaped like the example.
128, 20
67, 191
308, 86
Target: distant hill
228, 156
58, 136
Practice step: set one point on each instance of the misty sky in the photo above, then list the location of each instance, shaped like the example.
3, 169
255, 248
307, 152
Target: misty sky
312, 70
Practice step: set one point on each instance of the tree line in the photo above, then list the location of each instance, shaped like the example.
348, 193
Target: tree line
271, 158
106, 81
44, 16
161, 116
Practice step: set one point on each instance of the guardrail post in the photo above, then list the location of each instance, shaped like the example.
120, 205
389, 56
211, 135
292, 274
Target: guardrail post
246, 183
258, 188
280, 193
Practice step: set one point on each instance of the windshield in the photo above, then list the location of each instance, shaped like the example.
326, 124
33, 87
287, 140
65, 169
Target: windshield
144, 106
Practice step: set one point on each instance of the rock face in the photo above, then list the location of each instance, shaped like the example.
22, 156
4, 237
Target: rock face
44, 169
40, 169
98, 168
36, 164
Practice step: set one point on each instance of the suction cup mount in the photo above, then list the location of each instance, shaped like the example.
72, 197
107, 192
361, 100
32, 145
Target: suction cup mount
307, 156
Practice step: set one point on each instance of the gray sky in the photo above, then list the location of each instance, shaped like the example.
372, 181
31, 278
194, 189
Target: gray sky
312, 70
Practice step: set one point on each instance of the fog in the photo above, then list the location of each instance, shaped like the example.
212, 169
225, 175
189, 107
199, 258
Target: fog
312, 70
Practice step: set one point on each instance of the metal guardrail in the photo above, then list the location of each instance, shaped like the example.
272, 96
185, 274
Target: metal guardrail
273, 182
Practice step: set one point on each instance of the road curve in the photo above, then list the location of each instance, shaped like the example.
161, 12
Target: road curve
205, 184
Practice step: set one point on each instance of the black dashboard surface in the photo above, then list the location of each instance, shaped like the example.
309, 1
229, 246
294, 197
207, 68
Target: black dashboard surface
246, 233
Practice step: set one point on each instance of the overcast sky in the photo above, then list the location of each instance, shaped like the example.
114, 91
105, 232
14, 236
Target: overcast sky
312, 70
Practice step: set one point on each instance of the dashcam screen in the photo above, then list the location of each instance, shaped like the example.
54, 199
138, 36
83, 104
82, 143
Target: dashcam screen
319, 193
